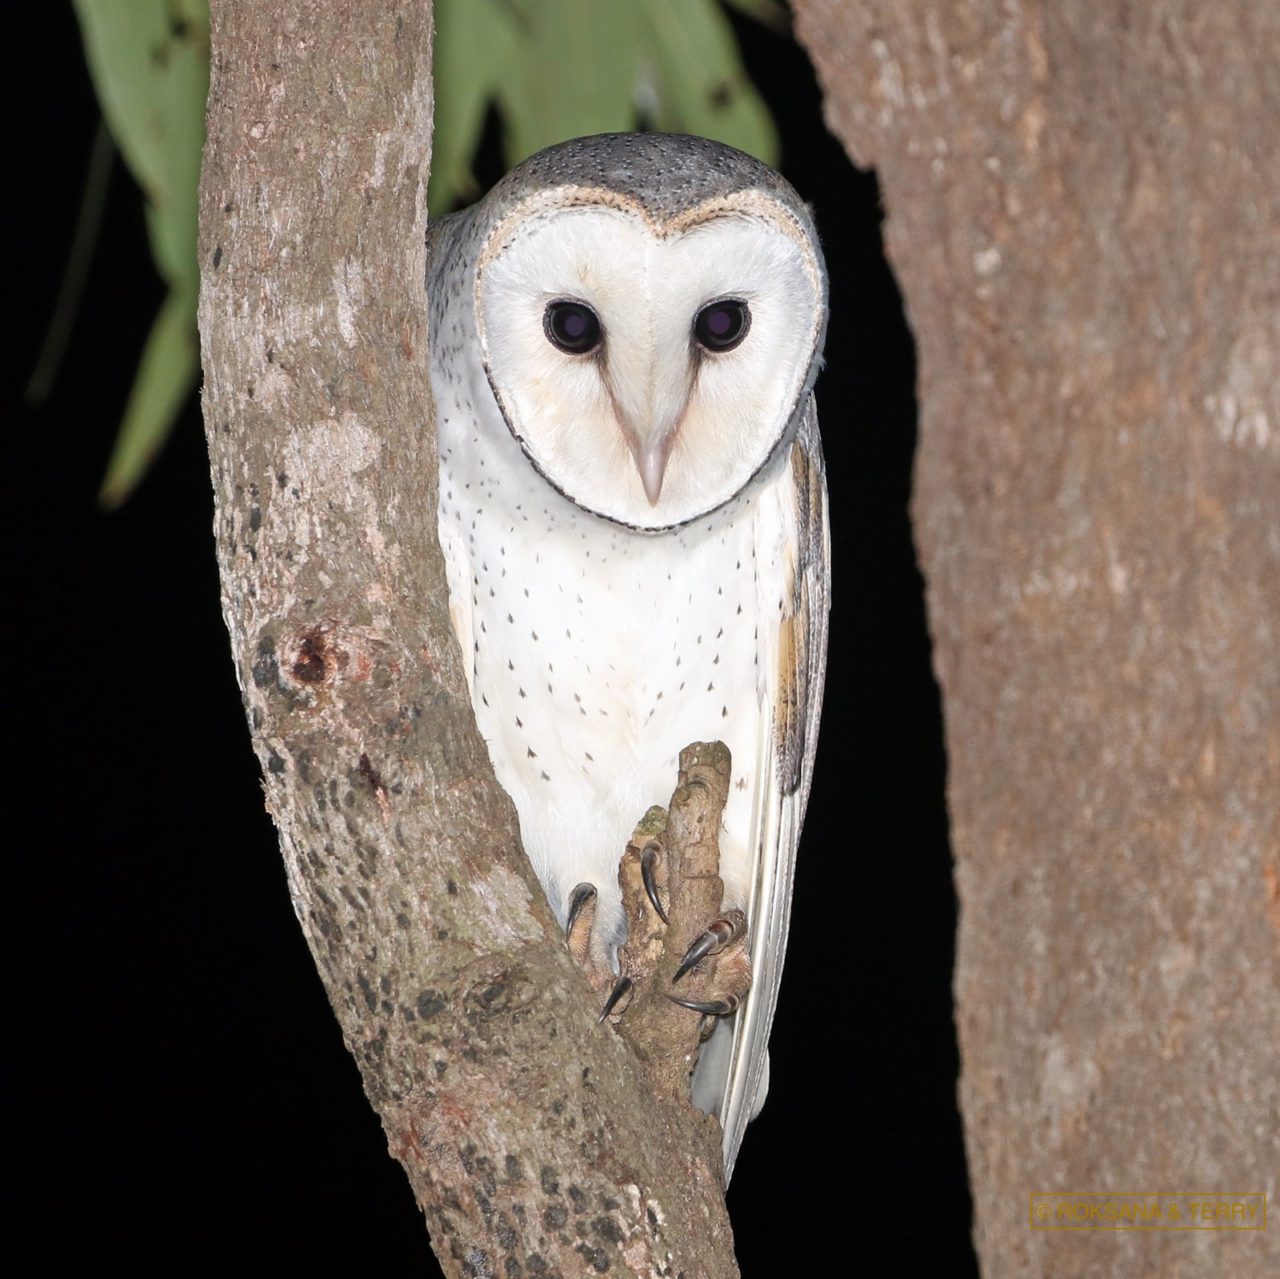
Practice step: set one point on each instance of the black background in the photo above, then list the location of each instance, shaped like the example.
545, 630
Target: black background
182, 1096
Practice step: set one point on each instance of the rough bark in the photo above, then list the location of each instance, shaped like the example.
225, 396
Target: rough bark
530, 1137
1082, 208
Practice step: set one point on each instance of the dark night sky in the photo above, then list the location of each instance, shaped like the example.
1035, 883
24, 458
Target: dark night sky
182, 1094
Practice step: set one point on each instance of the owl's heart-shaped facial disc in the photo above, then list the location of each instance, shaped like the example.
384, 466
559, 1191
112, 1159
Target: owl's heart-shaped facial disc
649, 367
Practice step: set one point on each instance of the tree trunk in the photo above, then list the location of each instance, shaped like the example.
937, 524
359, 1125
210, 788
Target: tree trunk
1082, 208
529, 1134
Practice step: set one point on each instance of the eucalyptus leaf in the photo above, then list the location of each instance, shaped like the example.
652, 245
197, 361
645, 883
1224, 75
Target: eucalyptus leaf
166, 374
149, 61
703, 85
769, 13
477, 50
578, 73
559, 69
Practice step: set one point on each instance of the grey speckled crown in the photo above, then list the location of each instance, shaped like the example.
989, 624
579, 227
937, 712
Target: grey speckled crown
665, 173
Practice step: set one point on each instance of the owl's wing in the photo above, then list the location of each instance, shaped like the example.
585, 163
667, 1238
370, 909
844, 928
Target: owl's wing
457, 564
442, 252
793, 688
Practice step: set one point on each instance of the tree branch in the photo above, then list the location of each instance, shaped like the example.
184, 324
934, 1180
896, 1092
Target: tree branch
528, 1133
1082, 202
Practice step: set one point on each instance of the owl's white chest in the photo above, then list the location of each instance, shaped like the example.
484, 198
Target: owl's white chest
598, 653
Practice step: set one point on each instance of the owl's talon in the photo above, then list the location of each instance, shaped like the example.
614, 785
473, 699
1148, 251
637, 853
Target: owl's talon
712, 941
621, 988
579, 922
708, 1007
648, 865
583, 894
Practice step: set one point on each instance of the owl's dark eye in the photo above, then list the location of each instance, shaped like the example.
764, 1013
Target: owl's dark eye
720, 326
572, 326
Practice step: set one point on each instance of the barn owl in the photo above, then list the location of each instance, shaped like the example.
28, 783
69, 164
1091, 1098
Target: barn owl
625, 335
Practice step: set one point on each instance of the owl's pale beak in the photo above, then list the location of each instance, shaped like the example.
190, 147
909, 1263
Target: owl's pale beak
649, 405
651, 462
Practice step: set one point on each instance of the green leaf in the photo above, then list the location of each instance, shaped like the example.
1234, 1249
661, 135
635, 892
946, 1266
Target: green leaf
704, 87
165, 376
577, 74
476, 52
601, 66
769, 13
92, 202
149, 60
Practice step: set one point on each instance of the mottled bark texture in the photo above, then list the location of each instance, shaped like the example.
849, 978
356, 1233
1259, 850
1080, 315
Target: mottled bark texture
529, 1134
1082, 207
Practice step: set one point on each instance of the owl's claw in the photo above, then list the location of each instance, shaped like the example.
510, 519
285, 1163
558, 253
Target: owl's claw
579, 922
711, 941
648, 865
621, 988
708, 1007
579, 934
582, 895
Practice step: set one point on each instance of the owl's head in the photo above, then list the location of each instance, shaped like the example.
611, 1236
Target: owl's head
651, 310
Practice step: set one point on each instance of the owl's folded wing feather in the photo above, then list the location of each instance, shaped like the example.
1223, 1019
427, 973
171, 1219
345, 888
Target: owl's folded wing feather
793, 688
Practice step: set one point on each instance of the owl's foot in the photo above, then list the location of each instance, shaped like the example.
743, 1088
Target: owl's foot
712, 940
622, 989
649, 876
720, 965
669, 877
579, 933
581, 919
644, 879
671, 886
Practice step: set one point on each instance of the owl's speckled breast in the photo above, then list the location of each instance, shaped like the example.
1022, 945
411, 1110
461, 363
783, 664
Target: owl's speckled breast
598, 653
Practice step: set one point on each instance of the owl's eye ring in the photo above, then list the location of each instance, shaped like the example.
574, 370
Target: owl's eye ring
721, 325
572, 327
